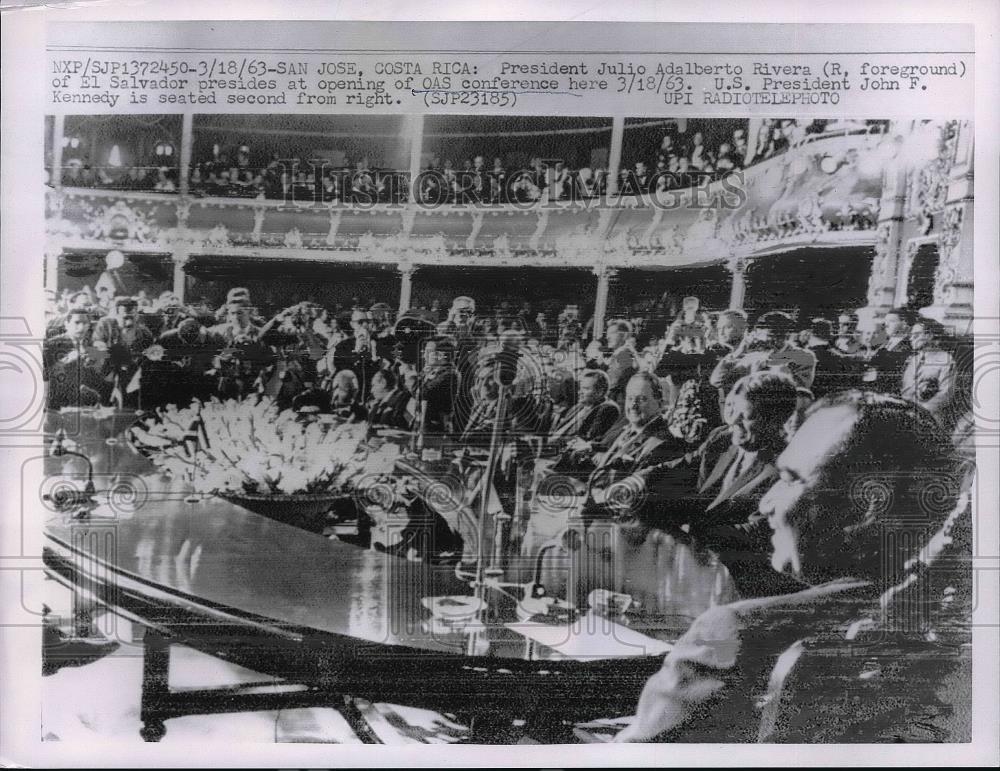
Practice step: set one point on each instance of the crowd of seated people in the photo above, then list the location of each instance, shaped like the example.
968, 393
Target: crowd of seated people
143, 351
711, 428
295, 179
682, 159
77, 172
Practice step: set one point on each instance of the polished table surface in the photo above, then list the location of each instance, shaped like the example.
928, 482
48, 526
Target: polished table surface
204, 552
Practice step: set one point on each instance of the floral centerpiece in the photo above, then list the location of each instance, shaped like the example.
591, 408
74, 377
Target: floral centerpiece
250, 452
686, 420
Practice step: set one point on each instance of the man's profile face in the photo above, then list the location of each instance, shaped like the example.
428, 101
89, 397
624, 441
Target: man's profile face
344, 392
894, 325
77, 325
615, 336
846, 325
766, 337
801, 511
379, 388
920, 337
752, 427
728, 332
640, 402
431, 358
126, 315
873, 336
589, 392
238, 315
463, 315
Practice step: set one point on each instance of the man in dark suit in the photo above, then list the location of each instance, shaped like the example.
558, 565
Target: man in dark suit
359, 353
389, 402
718, 487
438, 387
834, 371
886, 365
74, 368
591, 416
620, 359
643, 440
855, 585
766, 348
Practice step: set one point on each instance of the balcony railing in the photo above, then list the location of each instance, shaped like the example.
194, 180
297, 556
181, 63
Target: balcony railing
824, 191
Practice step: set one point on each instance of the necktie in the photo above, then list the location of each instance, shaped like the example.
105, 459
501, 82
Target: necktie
736, 470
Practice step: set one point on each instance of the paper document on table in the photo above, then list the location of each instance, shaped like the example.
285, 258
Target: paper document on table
592, 637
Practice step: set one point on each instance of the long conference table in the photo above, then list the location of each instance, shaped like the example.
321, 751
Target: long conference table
336, 621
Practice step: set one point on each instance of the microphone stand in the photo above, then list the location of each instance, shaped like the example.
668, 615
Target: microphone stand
84, 499
492, 459
419, 425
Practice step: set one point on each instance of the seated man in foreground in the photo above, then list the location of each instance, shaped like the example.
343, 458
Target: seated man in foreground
850, 517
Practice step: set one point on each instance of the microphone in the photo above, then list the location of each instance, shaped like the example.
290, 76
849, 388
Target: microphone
505, 372
64, 499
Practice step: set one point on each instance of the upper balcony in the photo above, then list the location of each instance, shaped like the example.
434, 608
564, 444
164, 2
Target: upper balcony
823, 190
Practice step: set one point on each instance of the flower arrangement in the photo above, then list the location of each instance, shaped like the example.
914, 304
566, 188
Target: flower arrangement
251, 447
686, 420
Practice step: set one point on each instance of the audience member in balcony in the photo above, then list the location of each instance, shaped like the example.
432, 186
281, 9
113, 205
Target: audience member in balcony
72, 174
243, 159
498, 181
480, 179
303, 191
726, 161
164, 181
668, 152
135, 178
529, 185
365, 187
330, 189
762, 147
196, 180
696, 158
739, 145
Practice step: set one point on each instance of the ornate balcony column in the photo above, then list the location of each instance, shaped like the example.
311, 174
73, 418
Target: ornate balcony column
883, 280
58, 131
737, 292
615, 154
187, 139
180, 258
416, 131
53, 250
604, 275
953, 284
406, 271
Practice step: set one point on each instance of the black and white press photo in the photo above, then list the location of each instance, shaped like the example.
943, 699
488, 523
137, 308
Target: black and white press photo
507, 430
566, 390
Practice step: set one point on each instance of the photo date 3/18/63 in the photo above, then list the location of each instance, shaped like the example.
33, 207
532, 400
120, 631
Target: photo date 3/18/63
534, 384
